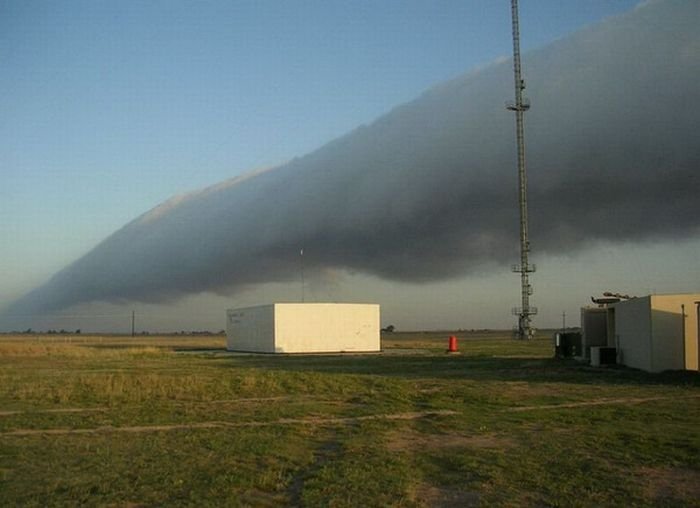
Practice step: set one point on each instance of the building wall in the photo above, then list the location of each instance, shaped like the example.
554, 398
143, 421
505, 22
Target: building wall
633, 332
326, 327
610, 317
674, 332
594, 328
251, 329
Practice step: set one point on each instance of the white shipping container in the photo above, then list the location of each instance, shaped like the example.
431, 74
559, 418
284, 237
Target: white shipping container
304, 328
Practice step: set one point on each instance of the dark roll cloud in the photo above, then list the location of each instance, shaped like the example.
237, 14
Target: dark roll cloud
428, 191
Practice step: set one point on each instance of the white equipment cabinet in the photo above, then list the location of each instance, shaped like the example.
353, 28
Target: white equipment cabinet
304, 328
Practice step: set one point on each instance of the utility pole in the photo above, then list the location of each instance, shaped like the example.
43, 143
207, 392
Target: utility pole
133, 321
521, 104
697, 320
683, 316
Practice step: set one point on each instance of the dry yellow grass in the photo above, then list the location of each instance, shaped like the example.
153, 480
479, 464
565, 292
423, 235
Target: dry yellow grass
38, 350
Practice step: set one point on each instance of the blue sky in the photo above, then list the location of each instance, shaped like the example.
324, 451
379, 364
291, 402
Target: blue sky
109, 108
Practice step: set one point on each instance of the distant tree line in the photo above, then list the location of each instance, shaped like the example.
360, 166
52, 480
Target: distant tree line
30, 331
49, 332
199, 332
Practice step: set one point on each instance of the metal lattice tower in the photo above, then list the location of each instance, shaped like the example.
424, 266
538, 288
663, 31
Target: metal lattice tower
521, 104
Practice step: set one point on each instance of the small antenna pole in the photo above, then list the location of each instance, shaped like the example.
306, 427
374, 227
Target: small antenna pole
563, 319
301, 258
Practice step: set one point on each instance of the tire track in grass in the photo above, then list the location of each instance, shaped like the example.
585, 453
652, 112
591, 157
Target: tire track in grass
224, 424
247, 400
328, 451
600, 402
56, 410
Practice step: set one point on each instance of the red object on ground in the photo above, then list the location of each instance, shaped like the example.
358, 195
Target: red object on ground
452, 344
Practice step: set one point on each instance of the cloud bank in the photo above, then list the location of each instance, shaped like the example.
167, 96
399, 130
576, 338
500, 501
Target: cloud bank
429, 190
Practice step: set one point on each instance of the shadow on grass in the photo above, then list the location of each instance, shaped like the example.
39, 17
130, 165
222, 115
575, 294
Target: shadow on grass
487, 368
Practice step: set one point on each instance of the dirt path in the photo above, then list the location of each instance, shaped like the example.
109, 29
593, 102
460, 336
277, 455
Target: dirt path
224, 424
599, 402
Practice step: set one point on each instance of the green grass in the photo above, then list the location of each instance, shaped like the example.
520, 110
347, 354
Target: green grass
154, 421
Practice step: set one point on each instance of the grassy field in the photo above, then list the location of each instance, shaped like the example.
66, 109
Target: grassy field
170, 421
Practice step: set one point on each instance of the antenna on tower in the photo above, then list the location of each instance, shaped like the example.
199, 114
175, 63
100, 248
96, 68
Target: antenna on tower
521, 104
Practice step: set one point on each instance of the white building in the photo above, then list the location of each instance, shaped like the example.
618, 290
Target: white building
652, 333
304, 328
656, 332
